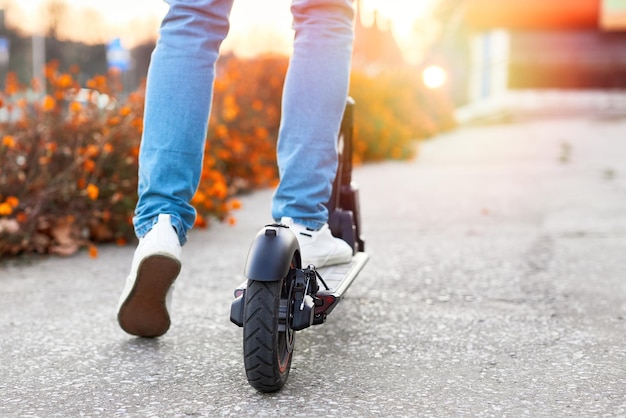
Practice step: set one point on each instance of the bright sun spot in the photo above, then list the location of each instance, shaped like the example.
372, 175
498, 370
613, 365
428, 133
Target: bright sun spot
434, 77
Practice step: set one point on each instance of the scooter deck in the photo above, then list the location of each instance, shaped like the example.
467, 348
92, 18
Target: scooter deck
339, 277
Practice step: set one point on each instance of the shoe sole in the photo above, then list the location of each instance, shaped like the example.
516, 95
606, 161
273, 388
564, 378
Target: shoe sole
144, 312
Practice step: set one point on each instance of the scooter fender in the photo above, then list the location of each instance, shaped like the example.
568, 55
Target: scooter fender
271, 252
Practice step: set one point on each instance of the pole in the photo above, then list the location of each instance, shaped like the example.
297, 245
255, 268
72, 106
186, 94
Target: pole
39, 59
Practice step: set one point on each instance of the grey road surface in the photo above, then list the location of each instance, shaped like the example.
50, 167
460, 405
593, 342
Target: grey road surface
496, 287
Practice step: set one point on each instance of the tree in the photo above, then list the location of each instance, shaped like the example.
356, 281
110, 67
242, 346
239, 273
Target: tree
55, 14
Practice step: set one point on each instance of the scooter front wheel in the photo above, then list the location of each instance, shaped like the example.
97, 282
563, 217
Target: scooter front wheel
268, 338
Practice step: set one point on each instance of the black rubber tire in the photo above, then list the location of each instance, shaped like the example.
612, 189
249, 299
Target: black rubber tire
268, 339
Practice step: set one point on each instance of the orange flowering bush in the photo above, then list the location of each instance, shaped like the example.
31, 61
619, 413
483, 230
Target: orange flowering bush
68, 155
393, 110
69, 163
240, 153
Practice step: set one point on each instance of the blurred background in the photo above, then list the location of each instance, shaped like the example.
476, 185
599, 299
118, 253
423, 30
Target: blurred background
480, 48
81, 31
72, 75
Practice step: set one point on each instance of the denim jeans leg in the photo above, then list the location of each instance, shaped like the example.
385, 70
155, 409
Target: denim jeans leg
314, 98
178, 99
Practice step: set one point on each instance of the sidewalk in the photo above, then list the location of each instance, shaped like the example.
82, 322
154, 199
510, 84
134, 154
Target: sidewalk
495, 287
529, 103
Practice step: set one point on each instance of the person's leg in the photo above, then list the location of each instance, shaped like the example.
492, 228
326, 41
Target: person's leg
178, 99
314, 97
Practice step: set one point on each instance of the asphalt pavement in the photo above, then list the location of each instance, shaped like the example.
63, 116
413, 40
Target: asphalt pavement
496, 286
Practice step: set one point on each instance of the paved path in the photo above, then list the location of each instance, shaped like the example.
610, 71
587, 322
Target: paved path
496, 287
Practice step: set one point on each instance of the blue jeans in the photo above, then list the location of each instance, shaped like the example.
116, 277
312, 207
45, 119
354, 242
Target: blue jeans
178, 102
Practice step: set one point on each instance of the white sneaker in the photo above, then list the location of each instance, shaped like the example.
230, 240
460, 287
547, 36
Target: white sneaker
143, 306
319, 247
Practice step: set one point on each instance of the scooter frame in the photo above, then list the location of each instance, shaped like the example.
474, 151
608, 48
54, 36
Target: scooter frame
281, 296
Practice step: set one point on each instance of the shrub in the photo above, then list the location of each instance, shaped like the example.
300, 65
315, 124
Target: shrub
69, 162
68, 175
393, 110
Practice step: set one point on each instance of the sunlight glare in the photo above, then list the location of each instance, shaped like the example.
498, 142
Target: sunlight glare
255, 26
434, 77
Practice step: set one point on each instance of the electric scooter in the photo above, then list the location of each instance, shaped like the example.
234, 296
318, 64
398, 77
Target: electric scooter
281, 296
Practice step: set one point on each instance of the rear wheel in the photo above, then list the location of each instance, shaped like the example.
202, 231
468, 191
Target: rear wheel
268, 339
